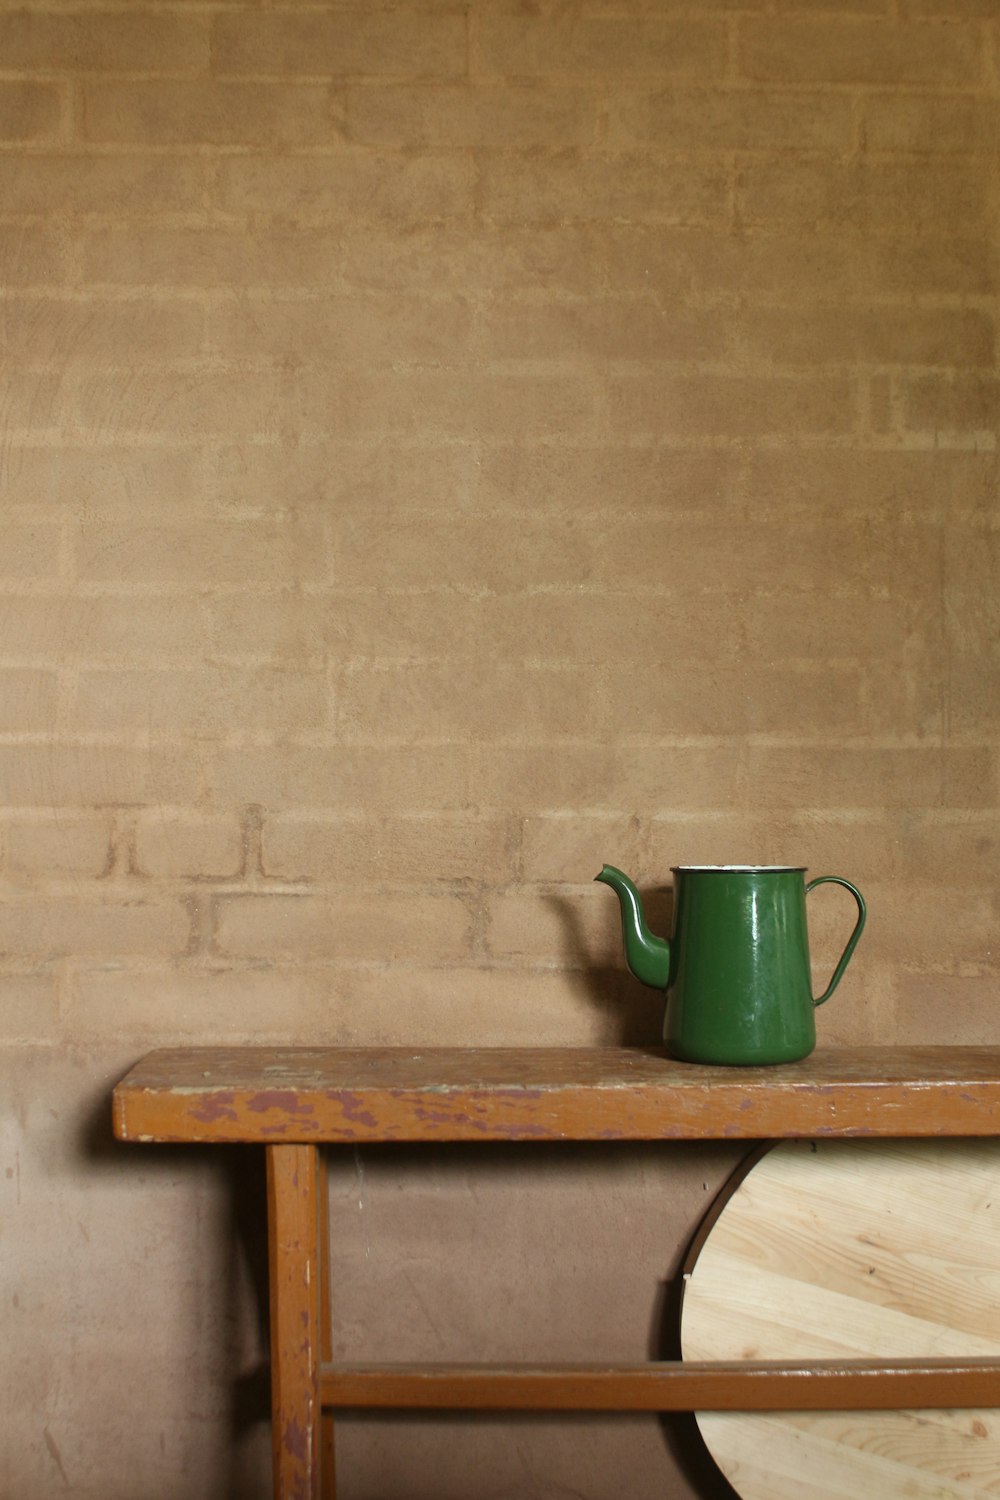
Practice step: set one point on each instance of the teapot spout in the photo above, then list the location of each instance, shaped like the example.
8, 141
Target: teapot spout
647, 956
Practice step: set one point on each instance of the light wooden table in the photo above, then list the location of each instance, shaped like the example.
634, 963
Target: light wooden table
295, 1100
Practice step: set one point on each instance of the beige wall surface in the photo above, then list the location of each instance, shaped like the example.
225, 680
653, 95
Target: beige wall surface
446, 446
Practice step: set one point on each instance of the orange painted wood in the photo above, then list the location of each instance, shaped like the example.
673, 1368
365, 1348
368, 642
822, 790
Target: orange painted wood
550, 1094
294, 1099
296, 1294
759, 1385
327, 1465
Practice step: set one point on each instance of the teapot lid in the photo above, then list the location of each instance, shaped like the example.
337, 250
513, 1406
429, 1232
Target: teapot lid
744, 869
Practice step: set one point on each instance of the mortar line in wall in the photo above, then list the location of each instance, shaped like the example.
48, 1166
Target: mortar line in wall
528, 370
71, 108
65, 992
144, 739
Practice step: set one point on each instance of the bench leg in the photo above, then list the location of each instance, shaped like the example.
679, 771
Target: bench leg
327, 1471
296, 1279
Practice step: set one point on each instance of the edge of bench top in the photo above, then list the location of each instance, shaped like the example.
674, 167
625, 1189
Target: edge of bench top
392, 1094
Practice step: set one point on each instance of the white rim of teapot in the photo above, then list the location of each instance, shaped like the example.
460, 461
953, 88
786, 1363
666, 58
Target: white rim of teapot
745, 869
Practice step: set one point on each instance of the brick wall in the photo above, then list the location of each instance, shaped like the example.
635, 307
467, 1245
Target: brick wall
446, 446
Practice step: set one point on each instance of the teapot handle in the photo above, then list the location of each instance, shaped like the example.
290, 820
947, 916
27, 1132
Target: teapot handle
852, 941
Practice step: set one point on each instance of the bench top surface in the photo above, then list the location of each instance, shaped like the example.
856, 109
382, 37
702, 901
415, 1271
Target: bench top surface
351, 1094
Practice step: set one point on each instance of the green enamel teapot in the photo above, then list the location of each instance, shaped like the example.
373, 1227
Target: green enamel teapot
736, 969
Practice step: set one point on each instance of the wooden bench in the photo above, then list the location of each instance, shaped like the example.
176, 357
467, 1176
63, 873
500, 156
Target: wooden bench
295, 1100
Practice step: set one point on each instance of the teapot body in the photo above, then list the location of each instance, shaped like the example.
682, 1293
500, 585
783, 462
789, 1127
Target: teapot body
740, 988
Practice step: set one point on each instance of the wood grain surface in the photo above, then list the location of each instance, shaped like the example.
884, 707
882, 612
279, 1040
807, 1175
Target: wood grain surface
852, 1249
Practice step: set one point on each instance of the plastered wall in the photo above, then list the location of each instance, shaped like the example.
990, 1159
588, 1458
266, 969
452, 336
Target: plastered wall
444, 447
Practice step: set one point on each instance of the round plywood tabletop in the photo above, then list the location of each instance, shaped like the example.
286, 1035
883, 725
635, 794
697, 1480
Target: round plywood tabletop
862, 1249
